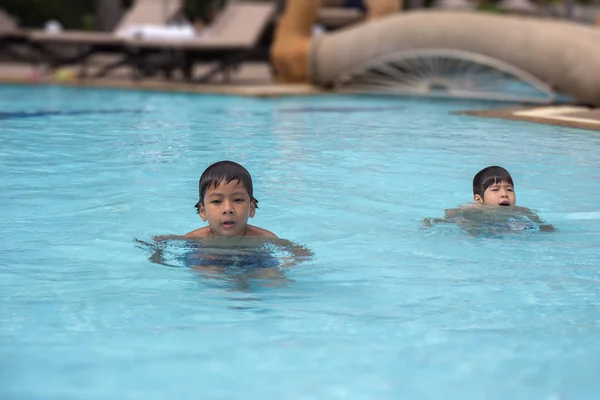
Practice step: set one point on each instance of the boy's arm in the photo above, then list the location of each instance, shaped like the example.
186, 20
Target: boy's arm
543, 226
157, 252
429, 222
300, 253
452, 213
547, 228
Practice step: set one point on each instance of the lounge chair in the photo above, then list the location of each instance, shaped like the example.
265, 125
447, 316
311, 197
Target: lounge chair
11, 38
77, 47
233, 37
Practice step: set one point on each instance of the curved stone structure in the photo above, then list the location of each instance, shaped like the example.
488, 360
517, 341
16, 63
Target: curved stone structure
562, 55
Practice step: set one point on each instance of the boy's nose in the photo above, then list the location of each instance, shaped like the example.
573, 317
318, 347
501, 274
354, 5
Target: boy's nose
227, 209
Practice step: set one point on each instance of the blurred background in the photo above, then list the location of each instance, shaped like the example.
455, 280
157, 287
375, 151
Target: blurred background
90, 14
103, 15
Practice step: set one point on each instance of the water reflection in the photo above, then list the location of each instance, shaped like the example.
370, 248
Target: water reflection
239, 264
491, 220
51, 113
342, 109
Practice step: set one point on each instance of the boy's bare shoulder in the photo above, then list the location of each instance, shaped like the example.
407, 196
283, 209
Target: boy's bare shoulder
460, 210
252, 230
201, 232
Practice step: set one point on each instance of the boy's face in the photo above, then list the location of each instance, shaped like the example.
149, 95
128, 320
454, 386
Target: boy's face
499, 194
227, 208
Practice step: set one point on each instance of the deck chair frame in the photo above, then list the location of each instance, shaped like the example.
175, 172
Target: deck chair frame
12, 38
77, 47
239, 34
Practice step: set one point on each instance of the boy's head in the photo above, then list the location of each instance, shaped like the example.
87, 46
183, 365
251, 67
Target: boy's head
494, 186
226, 198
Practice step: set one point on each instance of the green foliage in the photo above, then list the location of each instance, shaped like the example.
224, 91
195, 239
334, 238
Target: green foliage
202, 9
34, 13
79, 14
490, 7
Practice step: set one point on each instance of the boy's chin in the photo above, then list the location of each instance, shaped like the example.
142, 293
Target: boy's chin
228, 233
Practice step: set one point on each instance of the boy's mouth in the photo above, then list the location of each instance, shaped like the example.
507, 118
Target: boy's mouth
228, 224
505, 203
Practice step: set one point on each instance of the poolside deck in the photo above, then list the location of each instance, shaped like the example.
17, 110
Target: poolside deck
563, 115
254, 79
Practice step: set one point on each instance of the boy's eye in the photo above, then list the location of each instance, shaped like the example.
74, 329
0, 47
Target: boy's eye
215, 201
239, 200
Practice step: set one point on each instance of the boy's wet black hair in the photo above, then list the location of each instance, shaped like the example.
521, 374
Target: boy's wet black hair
488, 177
224, 171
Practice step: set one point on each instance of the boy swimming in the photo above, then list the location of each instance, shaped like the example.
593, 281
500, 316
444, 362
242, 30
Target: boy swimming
228, 246
494, 208
226, 203
494, 186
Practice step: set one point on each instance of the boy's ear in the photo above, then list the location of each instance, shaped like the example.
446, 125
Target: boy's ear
202, 212
478, 199
252, 209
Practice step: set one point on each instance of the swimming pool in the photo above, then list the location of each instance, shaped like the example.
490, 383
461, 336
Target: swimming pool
384, 309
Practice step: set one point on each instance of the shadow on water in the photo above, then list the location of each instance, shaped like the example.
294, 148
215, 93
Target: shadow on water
237, 264
51, 113
338, 110
492, 221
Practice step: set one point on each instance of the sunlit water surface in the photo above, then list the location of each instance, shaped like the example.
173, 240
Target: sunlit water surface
384, 308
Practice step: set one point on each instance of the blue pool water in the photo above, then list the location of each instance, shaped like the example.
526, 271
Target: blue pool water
385, 308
